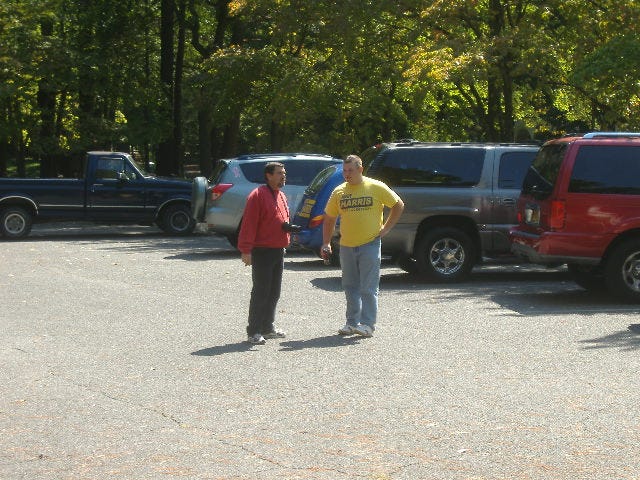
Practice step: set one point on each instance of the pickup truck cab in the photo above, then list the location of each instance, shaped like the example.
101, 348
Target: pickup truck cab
112, 189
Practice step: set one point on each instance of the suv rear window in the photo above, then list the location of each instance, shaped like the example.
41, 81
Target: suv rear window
437, 167
543, 173
606, 169
299, 172
320, 179
513, 168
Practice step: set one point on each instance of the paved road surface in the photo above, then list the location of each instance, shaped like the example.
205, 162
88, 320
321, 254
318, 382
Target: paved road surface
123, 357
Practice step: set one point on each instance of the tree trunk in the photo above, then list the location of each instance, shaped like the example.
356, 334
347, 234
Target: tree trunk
276, 136
204, 140
230, 139
178, 157
46, 101
166, 148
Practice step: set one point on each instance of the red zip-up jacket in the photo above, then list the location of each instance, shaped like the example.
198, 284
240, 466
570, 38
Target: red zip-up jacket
264, 213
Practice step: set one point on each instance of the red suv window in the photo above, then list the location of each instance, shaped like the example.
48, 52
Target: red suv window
606, 169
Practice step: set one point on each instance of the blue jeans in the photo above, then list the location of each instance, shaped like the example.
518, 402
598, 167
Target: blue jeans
360, 280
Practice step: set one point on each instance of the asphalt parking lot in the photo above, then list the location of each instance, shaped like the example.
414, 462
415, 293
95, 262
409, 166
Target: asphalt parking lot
124, 357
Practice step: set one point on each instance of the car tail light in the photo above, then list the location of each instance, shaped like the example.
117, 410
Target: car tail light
558, 214
219, 189
530, 215
315, 221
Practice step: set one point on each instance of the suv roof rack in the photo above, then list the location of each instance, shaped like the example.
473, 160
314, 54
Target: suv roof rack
250, 156
611, 134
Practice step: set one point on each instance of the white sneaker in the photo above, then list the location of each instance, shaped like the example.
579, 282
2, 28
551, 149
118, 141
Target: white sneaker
275, 333
257, 339
364, 330
347, 330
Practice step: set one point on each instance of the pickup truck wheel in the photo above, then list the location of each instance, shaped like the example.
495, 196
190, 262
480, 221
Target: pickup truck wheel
622, 270
445, 255
177, 220
588, 277
198, 198
15, 222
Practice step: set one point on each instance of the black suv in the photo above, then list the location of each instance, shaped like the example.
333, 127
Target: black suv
460, 201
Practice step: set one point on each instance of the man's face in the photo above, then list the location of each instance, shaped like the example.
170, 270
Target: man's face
278, 178
352, 173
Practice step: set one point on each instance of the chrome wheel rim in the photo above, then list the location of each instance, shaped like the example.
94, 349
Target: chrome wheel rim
631, 272
447, 256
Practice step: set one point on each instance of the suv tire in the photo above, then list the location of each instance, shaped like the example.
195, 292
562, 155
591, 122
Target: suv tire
198, 198
588, 277
622, 270
445, 254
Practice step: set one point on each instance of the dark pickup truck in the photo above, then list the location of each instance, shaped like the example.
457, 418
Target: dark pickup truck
112, 190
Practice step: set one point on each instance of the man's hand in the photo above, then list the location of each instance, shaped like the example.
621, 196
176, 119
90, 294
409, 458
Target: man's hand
246, 259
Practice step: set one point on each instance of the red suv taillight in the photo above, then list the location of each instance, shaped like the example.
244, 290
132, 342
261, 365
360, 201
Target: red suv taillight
557, 214
219, 189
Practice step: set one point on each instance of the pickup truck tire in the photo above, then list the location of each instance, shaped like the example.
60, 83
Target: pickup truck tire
622, 270
588, 277
445, 254
15, 222
198, 198
176, 219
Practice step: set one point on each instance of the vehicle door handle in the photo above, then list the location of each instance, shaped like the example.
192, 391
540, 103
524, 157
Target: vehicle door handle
508, 201
93, 187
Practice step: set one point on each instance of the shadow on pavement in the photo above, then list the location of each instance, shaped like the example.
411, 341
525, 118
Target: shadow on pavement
222, 349
330, 341
627, 340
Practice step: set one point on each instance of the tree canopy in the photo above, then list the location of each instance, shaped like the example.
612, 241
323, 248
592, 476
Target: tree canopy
182, 82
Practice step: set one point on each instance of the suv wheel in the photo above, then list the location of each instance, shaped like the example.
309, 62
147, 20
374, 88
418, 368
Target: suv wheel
445, 254
588, 277
622, 270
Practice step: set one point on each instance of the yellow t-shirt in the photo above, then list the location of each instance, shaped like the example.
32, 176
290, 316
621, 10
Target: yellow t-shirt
360, 208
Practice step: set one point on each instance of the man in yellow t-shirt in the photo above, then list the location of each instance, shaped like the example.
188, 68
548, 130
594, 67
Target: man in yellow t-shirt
360, 203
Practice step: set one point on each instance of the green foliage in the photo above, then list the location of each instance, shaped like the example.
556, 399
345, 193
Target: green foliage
321, 76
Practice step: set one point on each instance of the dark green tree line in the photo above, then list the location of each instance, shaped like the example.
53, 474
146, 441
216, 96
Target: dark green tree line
192, 81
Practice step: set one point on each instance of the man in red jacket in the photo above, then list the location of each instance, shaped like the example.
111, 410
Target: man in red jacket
264, 234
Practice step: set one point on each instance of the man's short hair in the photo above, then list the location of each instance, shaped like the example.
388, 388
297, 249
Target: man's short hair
353, 159
271, 167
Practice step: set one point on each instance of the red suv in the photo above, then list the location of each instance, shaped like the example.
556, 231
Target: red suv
580, 205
